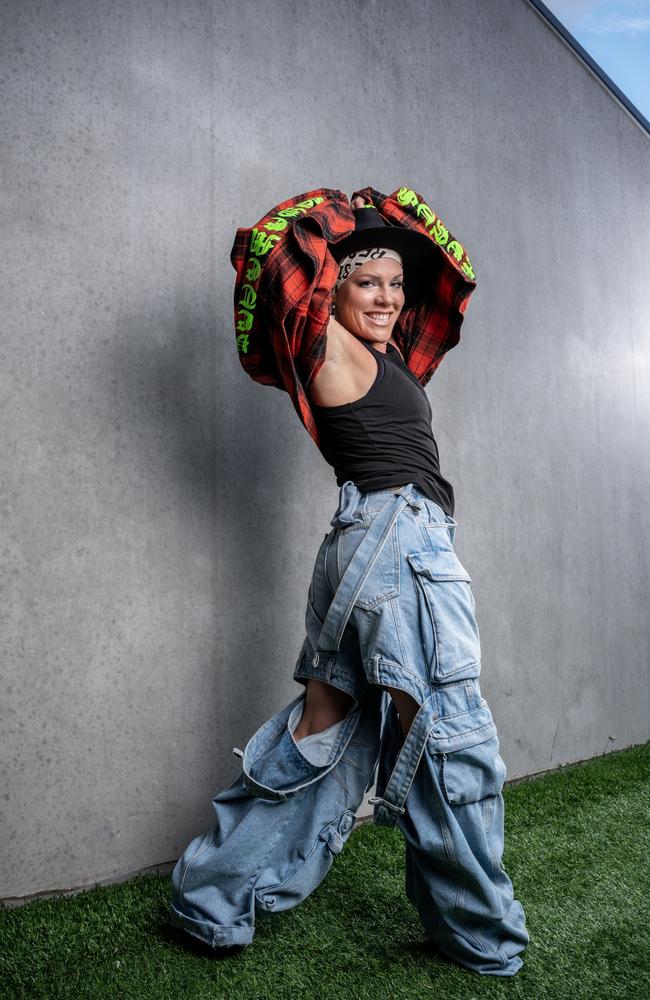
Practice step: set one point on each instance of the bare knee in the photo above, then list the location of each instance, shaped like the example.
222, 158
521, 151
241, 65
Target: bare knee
324, 706
406, 707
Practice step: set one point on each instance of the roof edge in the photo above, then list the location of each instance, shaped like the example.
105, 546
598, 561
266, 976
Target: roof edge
548, 16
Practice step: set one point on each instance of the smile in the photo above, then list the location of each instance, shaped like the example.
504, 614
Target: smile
378, 317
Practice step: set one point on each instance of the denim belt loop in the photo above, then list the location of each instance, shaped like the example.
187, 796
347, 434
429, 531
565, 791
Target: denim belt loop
407, 493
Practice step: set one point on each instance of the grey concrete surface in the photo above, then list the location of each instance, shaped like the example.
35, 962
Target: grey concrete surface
161, 512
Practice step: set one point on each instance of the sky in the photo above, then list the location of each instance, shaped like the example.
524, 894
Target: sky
616, 34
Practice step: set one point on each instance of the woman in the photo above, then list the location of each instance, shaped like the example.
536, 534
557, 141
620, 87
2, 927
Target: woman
390, 664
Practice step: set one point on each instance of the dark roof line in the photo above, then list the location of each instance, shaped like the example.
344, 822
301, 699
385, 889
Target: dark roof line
548, 15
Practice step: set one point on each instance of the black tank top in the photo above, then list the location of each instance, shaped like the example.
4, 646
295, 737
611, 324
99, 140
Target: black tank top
385, 438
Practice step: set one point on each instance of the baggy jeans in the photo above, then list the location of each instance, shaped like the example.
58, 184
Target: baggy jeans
389, 604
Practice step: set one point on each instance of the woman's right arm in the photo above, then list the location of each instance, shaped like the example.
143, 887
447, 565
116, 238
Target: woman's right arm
334, 382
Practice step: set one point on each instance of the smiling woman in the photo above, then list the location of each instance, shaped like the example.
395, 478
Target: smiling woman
373, 415
390, 661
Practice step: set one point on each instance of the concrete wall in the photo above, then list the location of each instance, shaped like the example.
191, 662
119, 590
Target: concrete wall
161, 511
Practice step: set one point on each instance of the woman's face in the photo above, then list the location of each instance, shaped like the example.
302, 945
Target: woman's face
370, 300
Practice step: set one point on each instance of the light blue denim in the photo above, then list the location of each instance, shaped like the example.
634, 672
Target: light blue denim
389, 604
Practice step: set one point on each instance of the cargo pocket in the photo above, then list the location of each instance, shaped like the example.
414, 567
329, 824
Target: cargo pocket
309, 873
450, 636
473, 773
468, 746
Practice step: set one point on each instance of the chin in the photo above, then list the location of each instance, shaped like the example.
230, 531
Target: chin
374, 337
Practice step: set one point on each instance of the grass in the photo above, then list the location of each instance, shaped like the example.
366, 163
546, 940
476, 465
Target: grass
576, 850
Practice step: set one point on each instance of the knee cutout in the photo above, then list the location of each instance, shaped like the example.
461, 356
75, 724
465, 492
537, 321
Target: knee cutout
316, 747
406, 706
324, 707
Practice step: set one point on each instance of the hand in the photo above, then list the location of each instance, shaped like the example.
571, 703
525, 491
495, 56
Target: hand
357, 201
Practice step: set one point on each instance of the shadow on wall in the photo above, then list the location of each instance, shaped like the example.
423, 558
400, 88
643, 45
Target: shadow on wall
215, 448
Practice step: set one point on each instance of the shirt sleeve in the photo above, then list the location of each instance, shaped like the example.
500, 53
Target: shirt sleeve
285, 275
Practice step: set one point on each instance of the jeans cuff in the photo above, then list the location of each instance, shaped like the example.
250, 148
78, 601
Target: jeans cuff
213, 935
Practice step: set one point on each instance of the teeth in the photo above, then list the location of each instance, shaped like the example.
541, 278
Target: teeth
378, 315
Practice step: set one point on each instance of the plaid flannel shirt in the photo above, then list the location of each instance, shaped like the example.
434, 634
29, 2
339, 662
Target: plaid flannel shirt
285, 277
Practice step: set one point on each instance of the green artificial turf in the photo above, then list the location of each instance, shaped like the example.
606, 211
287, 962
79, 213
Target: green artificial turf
576, 851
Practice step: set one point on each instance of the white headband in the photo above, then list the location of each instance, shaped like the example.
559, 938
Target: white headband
350, 263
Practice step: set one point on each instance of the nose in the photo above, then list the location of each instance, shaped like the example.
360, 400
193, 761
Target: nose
386, 296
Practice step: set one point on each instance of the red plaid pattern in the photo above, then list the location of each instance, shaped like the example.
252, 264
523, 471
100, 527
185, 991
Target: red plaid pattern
286, 273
